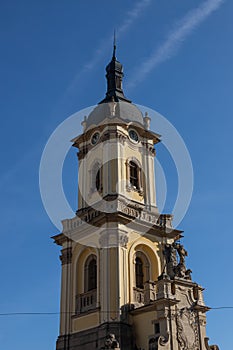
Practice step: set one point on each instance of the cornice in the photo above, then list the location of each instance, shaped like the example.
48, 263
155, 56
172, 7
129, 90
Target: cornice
134, 215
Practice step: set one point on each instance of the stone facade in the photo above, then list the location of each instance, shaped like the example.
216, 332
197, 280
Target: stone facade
95, 338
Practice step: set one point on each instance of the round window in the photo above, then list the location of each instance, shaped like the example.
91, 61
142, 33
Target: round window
95, 138
133, 135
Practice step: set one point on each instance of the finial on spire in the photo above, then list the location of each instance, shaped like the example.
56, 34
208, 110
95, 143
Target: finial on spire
114, 75
114, 45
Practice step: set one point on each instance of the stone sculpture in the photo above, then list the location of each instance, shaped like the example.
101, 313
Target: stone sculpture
173, 267
111, 342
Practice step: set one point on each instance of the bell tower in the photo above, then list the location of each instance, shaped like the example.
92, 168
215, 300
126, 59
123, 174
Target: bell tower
124, 281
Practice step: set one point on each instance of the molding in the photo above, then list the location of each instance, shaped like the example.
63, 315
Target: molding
119, 212
60, 239
113, 237
66, 256
164, 340
149, 148
187, 329
83, 143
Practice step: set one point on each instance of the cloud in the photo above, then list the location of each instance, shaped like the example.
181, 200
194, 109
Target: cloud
171, 45
133, 15
130, 17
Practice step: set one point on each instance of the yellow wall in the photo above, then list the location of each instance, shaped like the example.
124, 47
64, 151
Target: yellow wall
85, 322
144, 328
115, 171
80, 255
113, 288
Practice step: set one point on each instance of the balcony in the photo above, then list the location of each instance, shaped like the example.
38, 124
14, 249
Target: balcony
86, 301
146, 295
138, 295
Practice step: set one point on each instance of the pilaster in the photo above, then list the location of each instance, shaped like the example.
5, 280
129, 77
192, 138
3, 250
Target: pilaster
113, 273
66, 288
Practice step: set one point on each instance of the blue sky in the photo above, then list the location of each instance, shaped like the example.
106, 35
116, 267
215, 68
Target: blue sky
177, 58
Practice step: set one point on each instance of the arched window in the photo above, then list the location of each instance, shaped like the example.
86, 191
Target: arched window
139, 273
96, 178
134, 174
142, 269
90, 274
98, 181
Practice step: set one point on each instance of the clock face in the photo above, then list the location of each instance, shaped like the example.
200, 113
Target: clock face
95, 138
133, 135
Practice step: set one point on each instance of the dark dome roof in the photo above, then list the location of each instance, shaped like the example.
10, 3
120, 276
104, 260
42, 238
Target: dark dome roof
125, 111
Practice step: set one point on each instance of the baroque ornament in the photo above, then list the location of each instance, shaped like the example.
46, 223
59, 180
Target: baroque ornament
187, 330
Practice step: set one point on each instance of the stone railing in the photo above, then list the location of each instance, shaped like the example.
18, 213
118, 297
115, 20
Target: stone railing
86, 301
118, 206
150, 292
145, 295
138, 295
165, 220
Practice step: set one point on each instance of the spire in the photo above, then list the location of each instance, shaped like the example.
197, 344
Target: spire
114, 75
114, 46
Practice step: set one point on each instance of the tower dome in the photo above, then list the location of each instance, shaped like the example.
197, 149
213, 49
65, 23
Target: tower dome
115, 105
125, 111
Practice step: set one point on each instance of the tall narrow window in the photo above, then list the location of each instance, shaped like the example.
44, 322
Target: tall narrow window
139, 273
96, 178
133, 174
98, 181
90, 274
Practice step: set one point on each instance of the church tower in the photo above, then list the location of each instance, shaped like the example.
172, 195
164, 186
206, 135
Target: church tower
124, 281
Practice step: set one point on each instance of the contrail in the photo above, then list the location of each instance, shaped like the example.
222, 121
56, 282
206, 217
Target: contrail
169, 48
130, 17
133, 15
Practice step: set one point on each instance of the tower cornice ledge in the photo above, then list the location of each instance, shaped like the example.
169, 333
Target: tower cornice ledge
151, 225
113, 129
61, 239
155, 305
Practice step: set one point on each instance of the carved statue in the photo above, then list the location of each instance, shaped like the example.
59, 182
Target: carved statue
112, 106
84, 123
210, 347
153, 344
171, 260
180, 270
188, 274
111, 342
175, 269
181, 251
